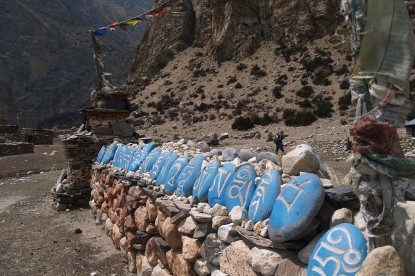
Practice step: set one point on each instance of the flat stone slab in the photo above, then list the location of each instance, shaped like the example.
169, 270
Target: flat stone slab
200, 217
341, 194
167, 206
267, 243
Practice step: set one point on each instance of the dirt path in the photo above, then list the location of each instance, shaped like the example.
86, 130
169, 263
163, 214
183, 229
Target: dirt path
37, 240
45, 158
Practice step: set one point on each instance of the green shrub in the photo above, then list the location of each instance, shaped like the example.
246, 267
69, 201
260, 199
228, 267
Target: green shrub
305, 92
242, 123
264, 120
203, 107
288, 113
311, 64
300, 118
324, 109
305, 104
276, 91
345, 101
258, 72
241, 66
238, 85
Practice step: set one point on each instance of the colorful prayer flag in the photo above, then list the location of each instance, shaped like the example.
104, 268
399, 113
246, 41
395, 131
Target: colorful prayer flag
162, 9
100, 31
130, 22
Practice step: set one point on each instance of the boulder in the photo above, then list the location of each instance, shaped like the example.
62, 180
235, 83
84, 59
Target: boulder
382, 261
218, 221
238, 214
403, 234
342, 215
218, 210
141, 217
158, 271
246, 154
212, 249
217, 272
178, 265
201, 267
267, 155
116, 235
228, 154
202, 230
171, 234
234, 260
191, 249
151, 211
143, 266
264, 261
302, 159
151, 254
227, 233
291, 266
203, 146
187, 226
131, 259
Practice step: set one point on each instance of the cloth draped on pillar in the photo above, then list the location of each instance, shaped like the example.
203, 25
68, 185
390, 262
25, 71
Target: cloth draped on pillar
384, 49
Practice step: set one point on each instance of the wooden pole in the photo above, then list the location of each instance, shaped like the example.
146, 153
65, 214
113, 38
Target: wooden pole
99, 66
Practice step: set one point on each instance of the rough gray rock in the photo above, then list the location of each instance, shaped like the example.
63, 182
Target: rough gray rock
264, 261
212, 249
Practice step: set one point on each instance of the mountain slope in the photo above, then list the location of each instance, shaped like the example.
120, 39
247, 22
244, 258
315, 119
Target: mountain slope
46, 62
210, 62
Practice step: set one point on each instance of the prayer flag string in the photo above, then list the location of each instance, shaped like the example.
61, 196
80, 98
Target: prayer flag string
162, 9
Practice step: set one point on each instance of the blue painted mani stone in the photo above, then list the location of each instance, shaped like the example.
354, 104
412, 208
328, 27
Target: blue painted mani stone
189, 175
158, 165
166, 167
295, 207
265, 195
202, 184
126, 156
341, 251
101, 154
150, 160
139, 156
218, 189
241, 188
109, 153
170, 182
116, 162
136, 160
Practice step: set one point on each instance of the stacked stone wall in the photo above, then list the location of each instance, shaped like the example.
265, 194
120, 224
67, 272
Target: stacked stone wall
173, 234
73, 185
15, 148
342, 146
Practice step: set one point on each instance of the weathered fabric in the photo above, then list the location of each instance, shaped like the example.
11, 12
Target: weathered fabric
387, 51
392, 165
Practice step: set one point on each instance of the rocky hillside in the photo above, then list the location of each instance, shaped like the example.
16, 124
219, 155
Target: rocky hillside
257, 60
46, 61
264, 66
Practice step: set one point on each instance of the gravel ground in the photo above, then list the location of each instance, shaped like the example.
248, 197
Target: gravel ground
45, 158
37, 240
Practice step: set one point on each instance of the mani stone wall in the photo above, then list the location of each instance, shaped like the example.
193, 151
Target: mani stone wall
175, 218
